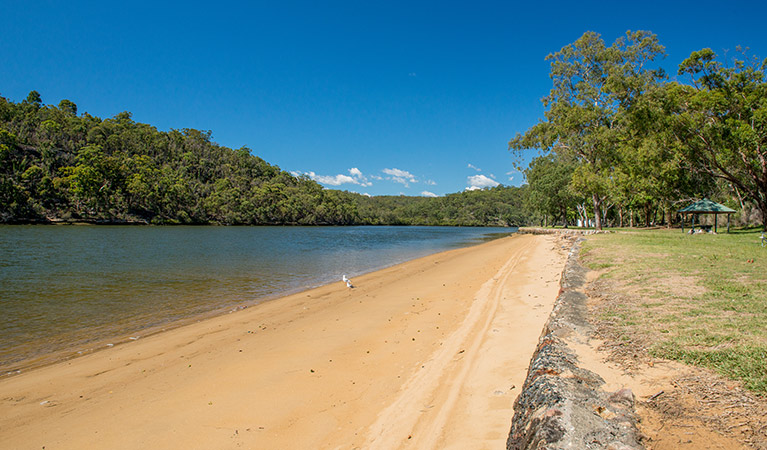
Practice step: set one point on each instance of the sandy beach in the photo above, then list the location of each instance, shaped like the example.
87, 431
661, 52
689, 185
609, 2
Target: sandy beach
426, 354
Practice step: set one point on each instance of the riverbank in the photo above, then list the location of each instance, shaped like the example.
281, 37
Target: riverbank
426, 354
74, 289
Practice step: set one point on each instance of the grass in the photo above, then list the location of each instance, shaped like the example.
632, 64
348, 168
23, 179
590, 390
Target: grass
699, 299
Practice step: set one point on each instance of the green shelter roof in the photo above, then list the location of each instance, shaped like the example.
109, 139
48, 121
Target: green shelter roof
707, 206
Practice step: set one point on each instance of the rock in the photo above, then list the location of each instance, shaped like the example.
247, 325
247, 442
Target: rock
563, 405
623, 396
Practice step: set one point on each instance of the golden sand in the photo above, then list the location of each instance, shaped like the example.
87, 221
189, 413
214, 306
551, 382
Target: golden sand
426, 354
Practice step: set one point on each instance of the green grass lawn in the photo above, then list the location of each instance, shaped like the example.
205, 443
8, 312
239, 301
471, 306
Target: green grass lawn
700, 299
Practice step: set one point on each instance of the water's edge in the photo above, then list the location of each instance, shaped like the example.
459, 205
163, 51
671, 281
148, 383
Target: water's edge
98, 342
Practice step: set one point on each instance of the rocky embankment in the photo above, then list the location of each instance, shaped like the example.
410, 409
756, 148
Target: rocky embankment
562, 231
563, 405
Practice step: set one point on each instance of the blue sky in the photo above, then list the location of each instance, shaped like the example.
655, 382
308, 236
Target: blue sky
395, 97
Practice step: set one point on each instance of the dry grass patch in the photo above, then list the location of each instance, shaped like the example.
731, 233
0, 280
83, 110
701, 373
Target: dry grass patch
700, 300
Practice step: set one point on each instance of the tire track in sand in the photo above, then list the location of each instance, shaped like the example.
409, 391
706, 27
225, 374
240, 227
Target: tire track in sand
417, 416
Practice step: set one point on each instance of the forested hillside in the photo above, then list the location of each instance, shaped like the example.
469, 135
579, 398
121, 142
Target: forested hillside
56, 165
498, 206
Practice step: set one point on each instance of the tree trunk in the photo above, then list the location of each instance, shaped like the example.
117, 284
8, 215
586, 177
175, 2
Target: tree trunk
647, 216
597, 211
564, 216
620, 217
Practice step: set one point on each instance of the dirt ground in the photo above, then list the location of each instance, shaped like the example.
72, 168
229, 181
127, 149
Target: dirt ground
680, 406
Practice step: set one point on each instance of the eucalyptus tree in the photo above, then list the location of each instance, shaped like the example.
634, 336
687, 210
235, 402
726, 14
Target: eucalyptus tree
593, 86
721, 122
648, 173
548, 178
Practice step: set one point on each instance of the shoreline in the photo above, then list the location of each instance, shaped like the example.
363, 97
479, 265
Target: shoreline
129, 334
318, 368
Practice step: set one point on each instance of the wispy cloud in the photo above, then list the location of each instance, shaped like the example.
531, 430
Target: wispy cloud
355, 177
400, 176
430, 183
429, 194
472, 166
480, 182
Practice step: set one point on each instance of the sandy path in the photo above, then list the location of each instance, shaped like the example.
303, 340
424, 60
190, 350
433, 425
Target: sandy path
426, 354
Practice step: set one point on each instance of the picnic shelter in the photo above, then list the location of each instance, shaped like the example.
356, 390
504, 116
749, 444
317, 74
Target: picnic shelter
706, 206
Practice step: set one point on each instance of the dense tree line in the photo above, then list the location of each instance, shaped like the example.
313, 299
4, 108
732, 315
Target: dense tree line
624, 144
498, 206
56, 165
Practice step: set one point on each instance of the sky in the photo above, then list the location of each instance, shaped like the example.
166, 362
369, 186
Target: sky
380, 98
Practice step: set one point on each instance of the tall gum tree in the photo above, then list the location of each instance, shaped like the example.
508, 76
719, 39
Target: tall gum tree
593, 86
548, 178
720, 124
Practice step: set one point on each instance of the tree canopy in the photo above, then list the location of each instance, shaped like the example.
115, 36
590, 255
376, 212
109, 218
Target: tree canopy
720, 123
593, 88
641, 143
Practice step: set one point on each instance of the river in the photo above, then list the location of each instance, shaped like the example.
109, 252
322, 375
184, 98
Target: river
63, 288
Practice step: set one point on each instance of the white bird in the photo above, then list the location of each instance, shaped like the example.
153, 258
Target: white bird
347, 281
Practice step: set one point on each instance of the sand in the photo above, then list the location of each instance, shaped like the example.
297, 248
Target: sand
426, 354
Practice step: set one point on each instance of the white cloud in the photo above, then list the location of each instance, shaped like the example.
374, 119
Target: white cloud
333, 180
429, 194
430, 183
511, 178
400, 176
479, 182
355, 177
472, 166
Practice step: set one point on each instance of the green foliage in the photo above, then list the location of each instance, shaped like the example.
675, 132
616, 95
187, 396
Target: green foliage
644, 144
594, 86
720, 122
498, 206
56, 165
549, 178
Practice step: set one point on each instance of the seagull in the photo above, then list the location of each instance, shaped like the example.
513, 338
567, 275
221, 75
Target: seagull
347, 281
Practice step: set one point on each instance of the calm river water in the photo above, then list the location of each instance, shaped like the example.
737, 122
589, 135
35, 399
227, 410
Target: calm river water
65, 287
